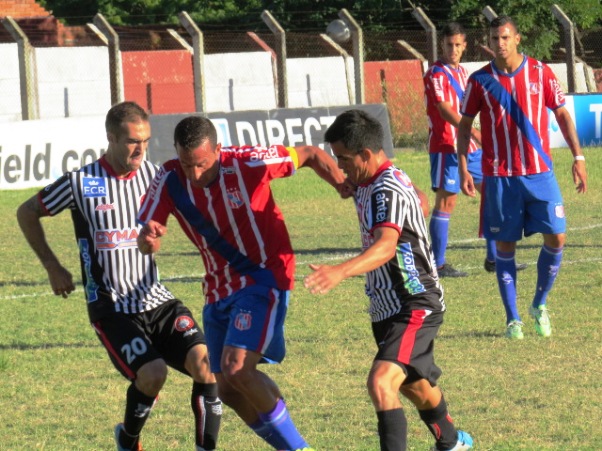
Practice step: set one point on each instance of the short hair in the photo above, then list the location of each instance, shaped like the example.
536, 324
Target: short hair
500, 21
192, 131
452, 29
122, 113
357, 130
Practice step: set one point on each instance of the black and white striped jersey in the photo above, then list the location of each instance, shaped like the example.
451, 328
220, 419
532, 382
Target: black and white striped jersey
104, 209
409, 279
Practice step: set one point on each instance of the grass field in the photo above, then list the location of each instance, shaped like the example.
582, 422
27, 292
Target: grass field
58, 390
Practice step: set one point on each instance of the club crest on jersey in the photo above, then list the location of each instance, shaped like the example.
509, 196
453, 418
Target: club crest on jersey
243, 321
183, 323
534, 88
403, 178
94, 187
234, 198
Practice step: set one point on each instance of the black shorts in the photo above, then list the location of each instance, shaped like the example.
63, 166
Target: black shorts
167, 332
408, 339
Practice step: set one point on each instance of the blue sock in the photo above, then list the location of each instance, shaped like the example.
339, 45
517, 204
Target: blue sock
548, 265
505, 268
284, 430
438, 228
491, 251
266, 432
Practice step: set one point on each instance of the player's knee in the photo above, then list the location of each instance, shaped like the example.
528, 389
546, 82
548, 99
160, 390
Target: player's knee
151, 377
197, 364
379, 388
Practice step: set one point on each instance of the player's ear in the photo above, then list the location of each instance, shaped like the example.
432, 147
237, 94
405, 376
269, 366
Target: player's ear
366, 154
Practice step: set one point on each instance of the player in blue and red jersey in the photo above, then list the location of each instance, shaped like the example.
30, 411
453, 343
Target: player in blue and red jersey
222, 199
520, 193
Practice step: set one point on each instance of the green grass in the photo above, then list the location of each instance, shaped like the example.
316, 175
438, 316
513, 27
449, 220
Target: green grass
59, 391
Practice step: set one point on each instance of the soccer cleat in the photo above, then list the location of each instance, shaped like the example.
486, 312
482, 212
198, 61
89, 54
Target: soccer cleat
448, 270
464, 442
490, 266
118, 429
514, 330
542, 320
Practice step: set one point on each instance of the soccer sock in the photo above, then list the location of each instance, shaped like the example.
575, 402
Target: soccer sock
438, 228
491, 250
137, 410
548, 265
266, 432
207, 409
392, 429
283, 427
505, 268
441, 425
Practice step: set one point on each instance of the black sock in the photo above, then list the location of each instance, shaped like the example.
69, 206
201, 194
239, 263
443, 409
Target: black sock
207, 409
392, 430
137, 409
441, 425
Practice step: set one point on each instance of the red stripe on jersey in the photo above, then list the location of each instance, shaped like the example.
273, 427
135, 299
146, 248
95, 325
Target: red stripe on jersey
408, 340
103, 338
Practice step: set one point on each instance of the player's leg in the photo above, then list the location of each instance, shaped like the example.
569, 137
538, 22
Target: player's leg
135, 358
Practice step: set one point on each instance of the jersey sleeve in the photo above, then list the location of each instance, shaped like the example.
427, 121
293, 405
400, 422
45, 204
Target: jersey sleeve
435, 84
387, 210
157, 204
470, 103
57, 196
553, 93
271, 162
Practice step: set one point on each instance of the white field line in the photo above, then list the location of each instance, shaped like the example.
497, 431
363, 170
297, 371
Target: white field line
335, 257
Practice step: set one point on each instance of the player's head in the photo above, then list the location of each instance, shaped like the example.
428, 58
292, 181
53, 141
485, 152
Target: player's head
128, 132
453, 43
356, 138
195, 139
504, 37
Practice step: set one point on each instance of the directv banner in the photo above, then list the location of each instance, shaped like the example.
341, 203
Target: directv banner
35, 153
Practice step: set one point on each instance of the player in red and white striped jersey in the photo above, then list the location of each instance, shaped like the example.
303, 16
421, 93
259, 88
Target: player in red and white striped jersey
138, 321
521, 194
222, 199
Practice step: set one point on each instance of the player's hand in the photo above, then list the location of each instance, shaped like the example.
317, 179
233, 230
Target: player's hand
580, 176
467, 184
323, 279
60, 278
347, 189
149, 239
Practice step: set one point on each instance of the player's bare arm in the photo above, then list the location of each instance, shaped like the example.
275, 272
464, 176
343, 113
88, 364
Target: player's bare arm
326, 277
464, 135
28, 216
567, 127
325, 166
424, 201
149, 239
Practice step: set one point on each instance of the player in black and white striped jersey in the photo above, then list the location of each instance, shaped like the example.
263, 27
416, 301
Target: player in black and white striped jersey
137, 319
406, 299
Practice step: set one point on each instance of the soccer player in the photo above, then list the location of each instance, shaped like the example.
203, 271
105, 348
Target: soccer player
406, 299
139, 322
444, 85
521, 195
222, 199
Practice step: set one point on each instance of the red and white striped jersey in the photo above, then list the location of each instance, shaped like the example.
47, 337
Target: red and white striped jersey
104, 208
443, 83
234, 221
514, 116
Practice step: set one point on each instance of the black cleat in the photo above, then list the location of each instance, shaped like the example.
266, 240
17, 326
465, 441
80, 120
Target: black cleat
448, 270
490, 266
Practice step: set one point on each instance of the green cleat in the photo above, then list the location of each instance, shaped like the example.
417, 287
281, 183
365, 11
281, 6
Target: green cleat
543, 327
514, 330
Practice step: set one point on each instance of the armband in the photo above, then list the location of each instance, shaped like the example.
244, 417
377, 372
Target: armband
579, 158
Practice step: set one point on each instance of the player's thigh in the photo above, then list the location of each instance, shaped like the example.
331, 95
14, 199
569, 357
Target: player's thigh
444, 172
503, 208
544, 206
126, 343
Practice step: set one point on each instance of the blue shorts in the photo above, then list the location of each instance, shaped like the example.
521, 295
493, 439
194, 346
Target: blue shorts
444, 170
252, 319
527, 203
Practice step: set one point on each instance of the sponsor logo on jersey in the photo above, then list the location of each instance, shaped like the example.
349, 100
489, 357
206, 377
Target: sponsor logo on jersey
243, 321
411, 275
183, 323
234, 198
381, 207
105, 207
91, 287
112, 239
94, 187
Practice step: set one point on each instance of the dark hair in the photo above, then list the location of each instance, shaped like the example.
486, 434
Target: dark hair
357, 130
500, 21
123, 113
192, 131
452, 29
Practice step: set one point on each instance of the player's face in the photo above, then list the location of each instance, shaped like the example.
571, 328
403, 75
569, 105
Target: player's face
504, 42
453, 47
127, 150
200, 165
351, 163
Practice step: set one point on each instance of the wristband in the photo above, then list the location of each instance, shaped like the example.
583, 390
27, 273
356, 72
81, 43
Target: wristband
579, 158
